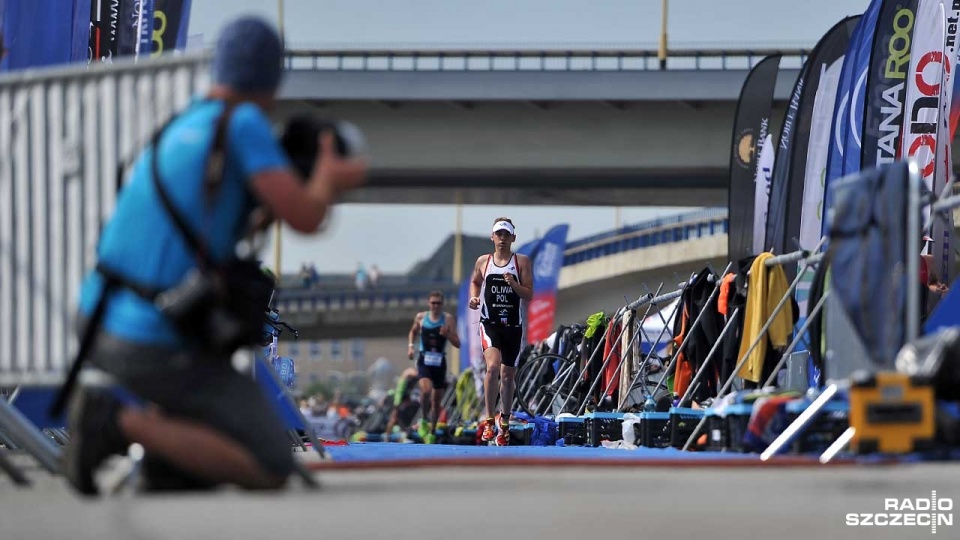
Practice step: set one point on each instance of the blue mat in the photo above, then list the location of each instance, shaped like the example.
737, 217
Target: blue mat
416, 452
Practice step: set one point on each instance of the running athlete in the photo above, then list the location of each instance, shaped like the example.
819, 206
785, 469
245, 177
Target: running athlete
501, 281
434, 328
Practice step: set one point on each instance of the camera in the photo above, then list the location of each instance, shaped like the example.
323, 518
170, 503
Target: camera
300, 139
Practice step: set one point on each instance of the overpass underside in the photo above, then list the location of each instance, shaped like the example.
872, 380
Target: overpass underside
583, 144
570, 153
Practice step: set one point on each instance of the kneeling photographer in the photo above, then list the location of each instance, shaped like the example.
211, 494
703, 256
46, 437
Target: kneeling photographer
169, 301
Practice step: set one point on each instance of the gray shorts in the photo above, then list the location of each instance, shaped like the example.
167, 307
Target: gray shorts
208, 392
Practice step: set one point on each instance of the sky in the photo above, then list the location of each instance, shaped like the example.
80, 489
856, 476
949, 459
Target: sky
395, 237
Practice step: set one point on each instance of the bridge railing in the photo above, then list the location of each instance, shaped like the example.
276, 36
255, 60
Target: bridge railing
533, 60
665, 230
298, 300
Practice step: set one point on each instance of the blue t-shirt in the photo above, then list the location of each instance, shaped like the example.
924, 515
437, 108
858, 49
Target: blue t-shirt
141, 243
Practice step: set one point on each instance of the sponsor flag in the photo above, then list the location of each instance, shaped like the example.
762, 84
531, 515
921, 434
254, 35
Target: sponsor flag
924, 91
811, 218
106, 27
547, 262
953, 34
762, 190
39, 33
844, 155
787, 184
128, 25
945, 135
883, 114
171, 20
749, 134
468, 321
144, 28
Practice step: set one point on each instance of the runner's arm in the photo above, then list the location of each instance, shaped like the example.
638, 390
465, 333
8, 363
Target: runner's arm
412, 335
477, 277
523, 288
452, 335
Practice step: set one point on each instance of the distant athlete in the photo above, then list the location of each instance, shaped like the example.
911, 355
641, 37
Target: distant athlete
429, 334
501, 282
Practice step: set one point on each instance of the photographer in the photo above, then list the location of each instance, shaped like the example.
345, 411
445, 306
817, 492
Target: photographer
200, 422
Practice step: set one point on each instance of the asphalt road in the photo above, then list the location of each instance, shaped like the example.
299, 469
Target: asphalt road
527, 503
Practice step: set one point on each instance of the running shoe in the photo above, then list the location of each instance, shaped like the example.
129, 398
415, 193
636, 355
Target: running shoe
503, 434
423, 430
487, 432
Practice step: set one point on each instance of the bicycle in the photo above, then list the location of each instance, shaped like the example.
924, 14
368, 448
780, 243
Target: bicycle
545, 381
283, 365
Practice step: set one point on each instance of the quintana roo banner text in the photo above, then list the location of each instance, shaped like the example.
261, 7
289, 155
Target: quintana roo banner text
749, 133
884, 112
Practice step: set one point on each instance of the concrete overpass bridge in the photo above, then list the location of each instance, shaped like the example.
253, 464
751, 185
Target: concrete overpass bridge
598, 127
598, 273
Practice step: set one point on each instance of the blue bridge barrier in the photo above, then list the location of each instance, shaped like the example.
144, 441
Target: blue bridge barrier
660, 231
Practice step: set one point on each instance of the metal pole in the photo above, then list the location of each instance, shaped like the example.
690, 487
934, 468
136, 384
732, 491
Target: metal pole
278, 226
457, 270
760, 335
27, 436
650, 300
801, 422
646, 360
673, 359
913, 250
706, 361
838, 445
606, 335
803, 330
662, 52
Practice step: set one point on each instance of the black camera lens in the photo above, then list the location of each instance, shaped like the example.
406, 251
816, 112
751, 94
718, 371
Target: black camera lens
301, 140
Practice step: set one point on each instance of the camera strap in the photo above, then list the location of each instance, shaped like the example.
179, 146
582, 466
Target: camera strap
213, 177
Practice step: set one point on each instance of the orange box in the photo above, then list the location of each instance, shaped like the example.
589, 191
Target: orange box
892, 413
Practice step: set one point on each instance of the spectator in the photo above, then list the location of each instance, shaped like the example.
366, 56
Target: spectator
305, 276
361, 277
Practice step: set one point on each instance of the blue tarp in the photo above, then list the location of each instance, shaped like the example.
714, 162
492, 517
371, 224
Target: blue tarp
868, 255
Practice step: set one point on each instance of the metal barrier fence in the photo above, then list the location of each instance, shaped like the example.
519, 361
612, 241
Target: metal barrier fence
65, 132
398, 59
293, 301
665, 230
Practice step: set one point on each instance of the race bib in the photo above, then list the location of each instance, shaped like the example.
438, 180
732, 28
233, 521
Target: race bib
432, 359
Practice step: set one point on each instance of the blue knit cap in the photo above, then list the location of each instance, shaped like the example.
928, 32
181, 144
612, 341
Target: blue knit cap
248, 56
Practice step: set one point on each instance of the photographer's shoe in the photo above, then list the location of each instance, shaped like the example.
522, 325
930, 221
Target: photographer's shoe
94, 436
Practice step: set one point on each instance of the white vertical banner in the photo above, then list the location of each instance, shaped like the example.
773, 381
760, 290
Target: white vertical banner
811, 217
944, 170
762, 199
923, 94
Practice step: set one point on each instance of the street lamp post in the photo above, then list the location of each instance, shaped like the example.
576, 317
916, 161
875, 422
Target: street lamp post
277, 226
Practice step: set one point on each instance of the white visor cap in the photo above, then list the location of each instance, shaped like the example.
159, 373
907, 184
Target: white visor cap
503, 226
